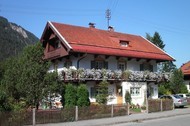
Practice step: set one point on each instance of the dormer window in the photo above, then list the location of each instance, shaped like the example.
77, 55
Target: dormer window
124, 43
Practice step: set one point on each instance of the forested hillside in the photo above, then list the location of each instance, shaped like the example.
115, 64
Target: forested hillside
13, 38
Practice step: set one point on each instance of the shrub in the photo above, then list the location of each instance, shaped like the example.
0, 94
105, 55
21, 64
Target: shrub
70, 96
102, 92
128, 97
82, 96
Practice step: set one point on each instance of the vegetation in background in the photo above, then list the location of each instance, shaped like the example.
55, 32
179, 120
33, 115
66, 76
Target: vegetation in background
175, 85
156, 39
102, 96
12, 42
177, 82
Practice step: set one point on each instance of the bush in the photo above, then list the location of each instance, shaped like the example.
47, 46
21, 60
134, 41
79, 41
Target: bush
128, 97
70, 96
102, 92
82, 96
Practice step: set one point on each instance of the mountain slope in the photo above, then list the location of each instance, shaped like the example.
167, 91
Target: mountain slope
13, 38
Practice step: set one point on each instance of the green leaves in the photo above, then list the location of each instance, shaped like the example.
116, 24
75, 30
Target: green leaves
82, 96
177, 82
23, 76
101, 98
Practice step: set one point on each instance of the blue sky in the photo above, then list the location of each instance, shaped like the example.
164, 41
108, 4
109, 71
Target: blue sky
171, 18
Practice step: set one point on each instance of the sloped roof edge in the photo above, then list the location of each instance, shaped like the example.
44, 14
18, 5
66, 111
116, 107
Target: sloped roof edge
159, 48
59, 35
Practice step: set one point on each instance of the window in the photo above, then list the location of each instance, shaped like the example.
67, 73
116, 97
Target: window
135, 91
146, 66
121, 66
67, 63
124, 43
99, 64
93, 92
57, 44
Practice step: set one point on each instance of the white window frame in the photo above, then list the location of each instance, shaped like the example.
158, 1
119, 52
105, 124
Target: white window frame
135, 91
122, 66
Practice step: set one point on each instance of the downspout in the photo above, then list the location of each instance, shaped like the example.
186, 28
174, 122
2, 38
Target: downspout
80, 58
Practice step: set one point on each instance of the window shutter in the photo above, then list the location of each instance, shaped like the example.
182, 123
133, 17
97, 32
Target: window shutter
105, 65
141, 67
92, 64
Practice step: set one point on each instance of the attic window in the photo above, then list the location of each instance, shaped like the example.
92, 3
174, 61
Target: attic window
57, 44
124, 43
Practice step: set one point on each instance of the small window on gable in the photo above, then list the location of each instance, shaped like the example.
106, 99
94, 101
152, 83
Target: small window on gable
57, 44
124, 43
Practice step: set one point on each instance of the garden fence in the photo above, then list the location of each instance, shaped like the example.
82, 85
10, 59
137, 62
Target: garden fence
32, 117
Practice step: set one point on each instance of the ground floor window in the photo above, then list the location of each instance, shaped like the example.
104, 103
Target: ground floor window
135, 91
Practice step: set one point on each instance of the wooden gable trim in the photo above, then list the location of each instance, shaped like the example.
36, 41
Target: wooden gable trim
59, 36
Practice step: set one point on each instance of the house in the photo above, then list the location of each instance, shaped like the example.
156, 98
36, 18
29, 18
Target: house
87, 54
186, 71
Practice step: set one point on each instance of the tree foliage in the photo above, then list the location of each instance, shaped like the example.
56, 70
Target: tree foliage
24, 75
70, 96
156, 39
82, 96
177, 82
102, 96
4, 103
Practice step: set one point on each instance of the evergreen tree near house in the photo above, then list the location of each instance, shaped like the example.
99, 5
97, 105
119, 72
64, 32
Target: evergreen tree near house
102, 96
82, 96
169, 66
70, 96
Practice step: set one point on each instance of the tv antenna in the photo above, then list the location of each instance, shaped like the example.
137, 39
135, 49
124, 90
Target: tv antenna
108, 16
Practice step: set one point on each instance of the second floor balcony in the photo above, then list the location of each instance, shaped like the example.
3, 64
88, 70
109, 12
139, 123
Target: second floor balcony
73, 74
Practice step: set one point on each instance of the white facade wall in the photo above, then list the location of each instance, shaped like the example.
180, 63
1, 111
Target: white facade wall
85, 63
187, 83
135, 99
133, 65
154, 88
112, 99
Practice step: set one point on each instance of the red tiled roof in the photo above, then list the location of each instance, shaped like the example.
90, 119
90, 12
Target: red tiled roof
186, 68
96, 41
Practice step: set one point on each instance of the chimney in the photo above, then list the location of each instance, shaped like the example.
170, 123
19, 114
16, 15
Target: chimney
91, 25
110, 28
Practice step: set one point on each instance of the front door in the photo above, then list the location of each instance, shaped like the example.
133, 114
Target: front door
119, 94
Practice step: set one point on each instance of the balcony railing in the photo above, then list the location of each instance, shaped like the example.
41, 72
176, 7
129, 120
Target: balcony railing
103, 74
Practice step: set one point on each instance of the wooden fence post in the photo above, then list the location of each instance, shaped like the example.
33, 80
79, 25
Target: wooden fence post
76, 113
173, 105
128, 108
34, 116
161, 105
147, 105
112, 110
